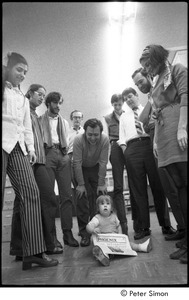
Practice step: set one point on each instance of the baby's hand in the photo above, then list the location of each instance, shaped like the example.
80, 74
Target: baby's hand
96, 230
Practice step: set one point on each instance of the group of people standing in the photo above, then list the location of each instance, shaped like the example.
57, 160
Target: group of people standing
154, 145
37, 150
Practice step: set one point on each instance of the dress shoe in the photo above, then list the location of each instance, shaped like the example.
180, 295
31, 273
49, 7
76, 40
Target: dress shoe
178, 254
42, 260
142, 233
69, 239
180, 243
58, 244
85, 241
124, 228
18, 258
178, 235
168, 230
16, 252
56, 250
184, 258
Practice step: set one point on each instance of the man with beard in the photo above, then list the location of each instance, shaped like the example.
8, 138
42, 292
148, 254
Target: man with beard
58, 164
144, 83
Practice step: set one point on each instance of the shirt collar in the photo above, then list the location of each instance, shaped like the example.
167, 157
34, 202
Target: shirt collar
76, 129
167, 76
54, 118
33, 110
11, 87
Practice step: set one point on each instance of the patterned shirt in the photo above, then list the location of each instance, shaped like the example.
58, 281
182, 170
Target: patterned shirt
38, 137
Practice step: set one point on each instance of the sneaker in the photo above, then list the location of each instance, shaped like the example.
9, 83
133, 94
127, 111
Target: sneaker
100, 256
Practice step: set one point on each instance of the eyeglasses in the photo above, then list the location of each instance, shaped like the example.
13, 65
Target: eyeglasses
40, 94
75, 117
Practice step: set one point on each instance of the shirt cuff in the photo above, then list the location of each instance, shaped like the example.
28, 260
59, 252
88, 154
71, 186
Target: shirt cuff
31, 148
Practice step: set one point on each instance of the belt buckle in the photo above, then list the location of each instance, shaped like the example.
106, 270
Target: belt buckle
56, 146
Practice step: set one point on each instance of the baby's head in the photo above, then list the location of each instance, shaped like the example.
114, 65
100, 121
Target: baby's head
104, 205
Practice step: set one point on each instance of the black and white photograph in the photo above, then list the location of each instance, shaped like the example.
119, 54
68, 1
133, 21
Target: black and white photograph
94, 148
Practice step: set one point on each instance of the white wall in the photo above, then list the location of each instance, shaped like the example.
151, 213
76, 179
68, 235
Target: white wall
65, 44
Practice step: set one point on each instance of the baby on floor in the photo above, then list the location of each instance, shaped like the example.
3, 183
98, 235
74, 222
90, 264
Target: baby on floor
106, 221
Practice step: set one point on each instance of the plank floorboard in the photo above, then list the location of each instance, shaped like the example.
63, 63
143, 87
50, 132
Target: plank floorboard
77, 266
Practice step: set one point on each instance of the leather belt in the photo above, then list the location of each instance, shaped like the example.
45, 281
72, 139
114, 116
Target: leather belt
56, 146
142, 138
113, 141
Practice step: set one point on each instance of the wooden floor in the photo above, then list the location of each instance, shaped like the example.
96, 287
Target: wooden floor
77, 267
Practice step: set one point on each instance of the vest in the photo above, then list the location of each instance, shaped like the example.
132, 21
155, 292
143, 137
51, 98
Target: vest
113, 126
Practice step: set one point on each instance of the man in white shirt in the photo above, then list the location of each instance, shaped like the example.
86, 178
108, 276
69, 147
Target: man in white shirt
76, 117
140, 164
117, 160
56, 129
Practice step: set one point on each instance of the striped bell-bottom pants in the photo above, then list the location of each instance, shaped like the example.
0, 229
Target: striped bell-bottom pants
16, 165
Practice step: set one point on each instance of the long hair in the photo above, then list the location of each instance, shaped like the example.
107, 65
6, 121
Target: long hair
33, 88
12, 59
156, 54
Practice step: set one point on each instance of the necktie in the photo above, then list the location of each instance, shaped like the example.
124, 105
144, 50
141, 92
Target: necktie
137, 122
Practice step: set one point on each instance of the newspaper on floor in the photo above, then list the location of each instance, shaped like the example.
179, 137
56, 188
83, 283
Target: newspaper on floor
113, 243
